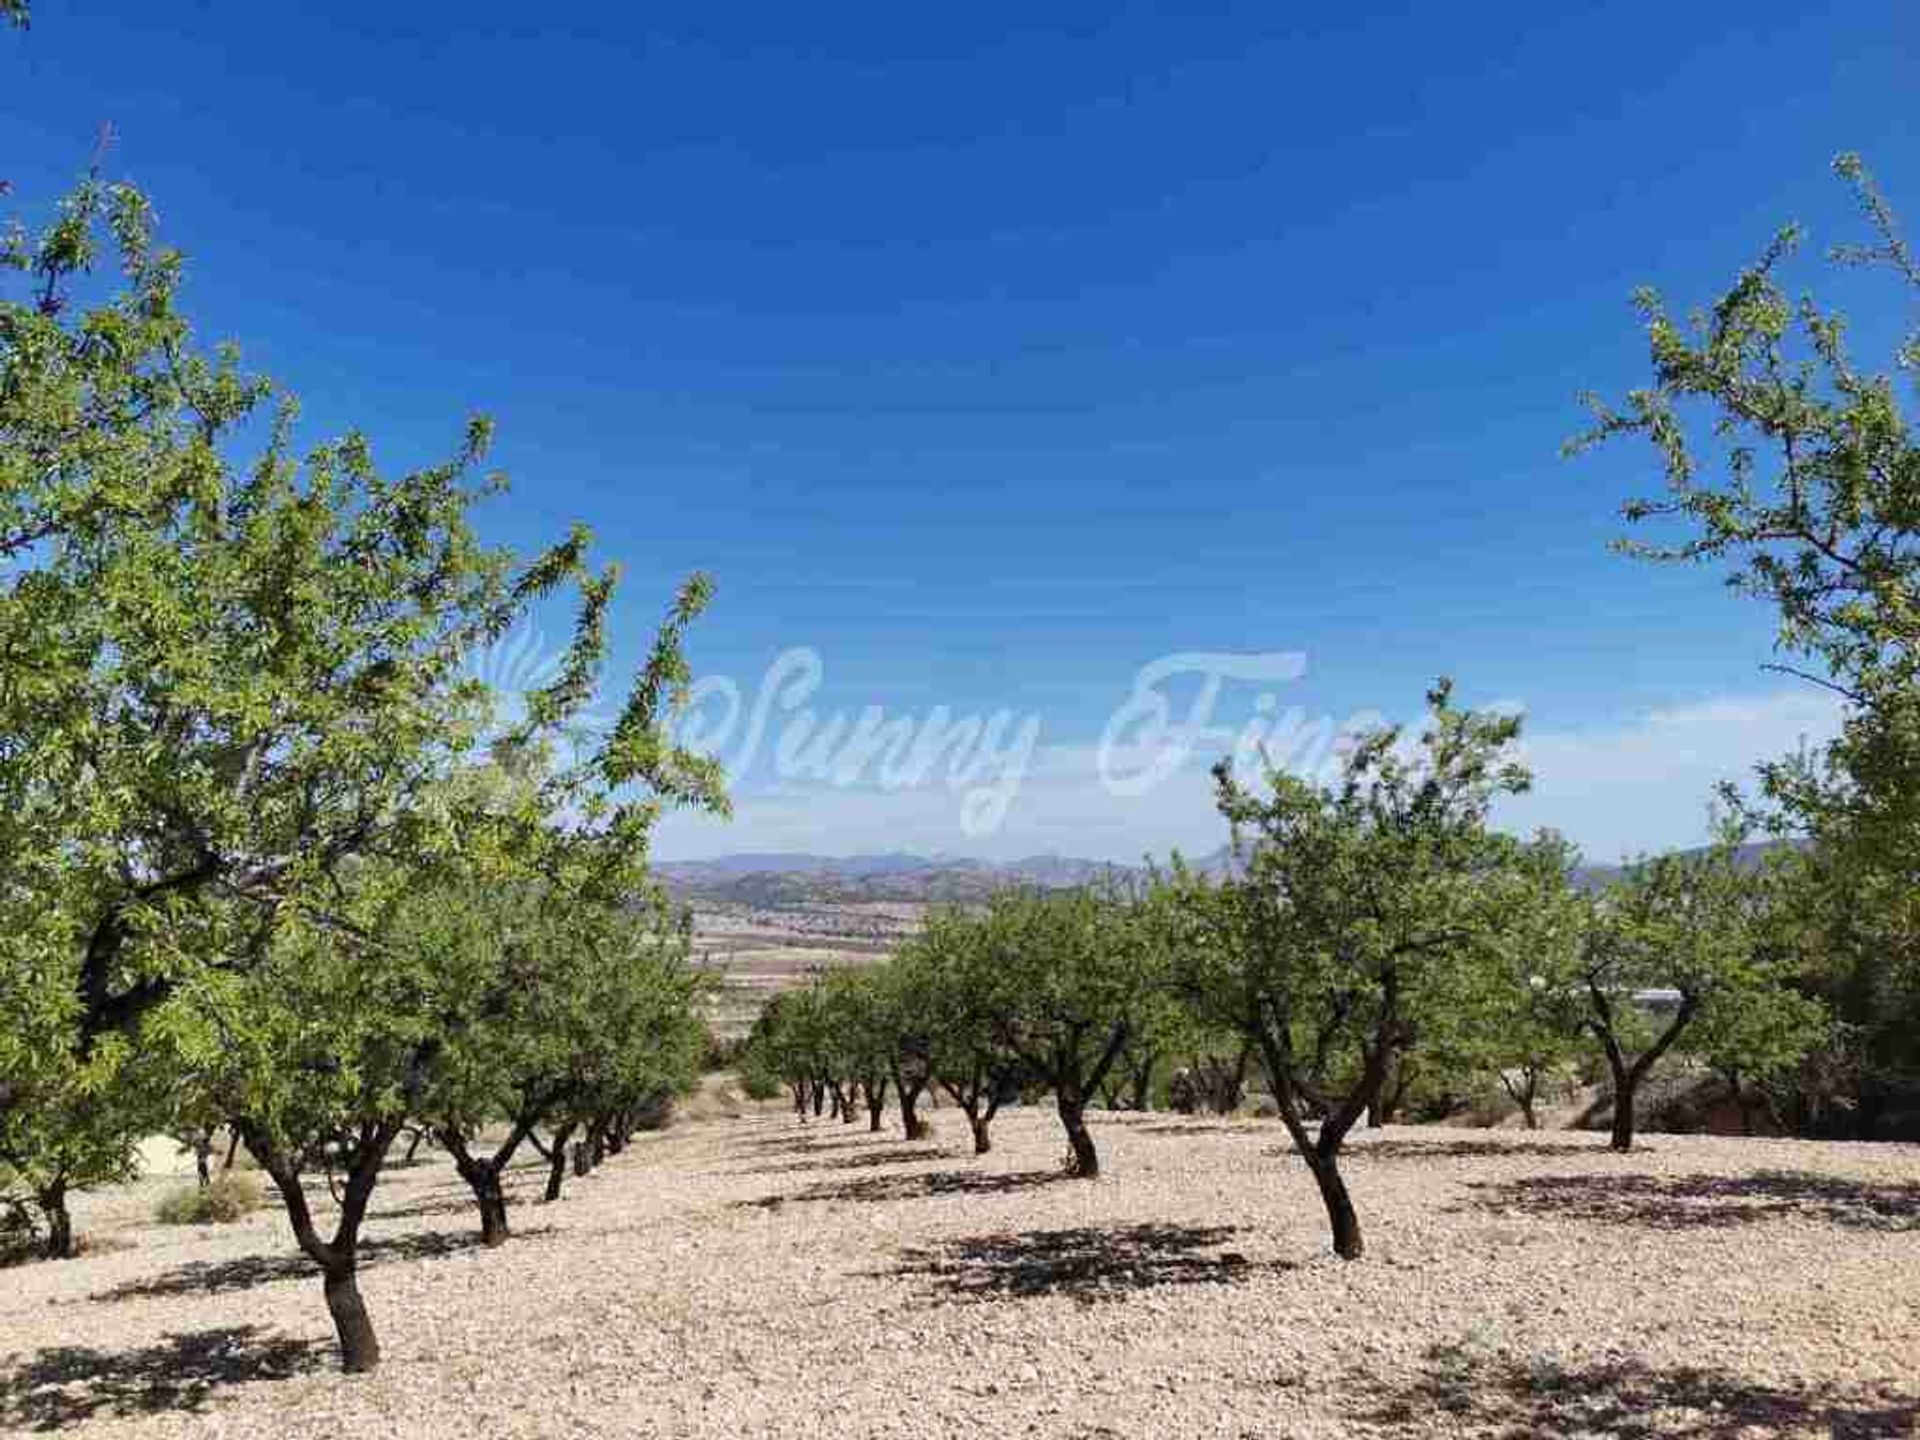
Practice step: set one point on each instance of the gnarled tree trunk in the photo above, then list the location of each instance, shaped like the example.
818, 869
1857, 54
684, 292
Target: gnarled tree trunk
981, 1125
1341, 1216
337, 1258
1083, 1158
1524, 1093
978, 1096
359, 1346
557, 1162
52, 1200
1627, 1077
907, 1092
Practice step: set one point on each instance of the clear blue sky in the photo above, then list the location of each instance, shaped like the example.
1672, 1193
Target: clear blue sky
994, 351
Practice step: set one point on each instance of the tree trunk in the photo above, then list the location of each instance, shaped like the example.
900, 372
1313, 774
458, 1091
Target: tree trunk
1869, 1105
203, 1158
233, 1148
1085, 1159
335, 1258
413, 1145
1625, 1082
876, 1104
557, 1162
1627, 1078
1345, 1223
908, 1096
1143, 1081
1379, 1104
1524, 1095
359, 1347
493, 1212
53, 1204
982, 1139
482, 1175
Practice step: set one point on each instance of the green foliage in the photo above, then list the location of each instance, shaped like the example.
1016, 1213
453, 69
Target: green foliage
244, 756
1699, 925
224, 1199
1363, 913
1515, 1022
1798, 470
948, 970
1063, 977
758, 1079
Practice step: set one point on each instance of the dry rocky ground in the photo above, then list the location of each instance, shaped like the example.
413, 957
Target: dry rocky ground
735, 1278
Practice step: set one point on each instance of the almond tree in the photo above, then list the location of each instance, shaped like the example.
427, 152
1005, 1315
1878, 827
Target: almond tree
1520, 1020
789, 1039
563, 972
1068, 975
863, 1020
1356, 908
945, 969
1792, 465
231, 691
1692, 927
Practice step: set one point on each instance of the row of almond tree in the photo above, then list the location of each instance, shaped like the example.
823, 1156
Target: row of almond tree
1367, 927
271, 859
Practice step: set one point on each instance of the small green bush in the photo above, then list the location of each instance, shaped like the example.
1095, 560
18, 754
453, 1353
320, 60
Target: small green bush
757, 1077
228, 1198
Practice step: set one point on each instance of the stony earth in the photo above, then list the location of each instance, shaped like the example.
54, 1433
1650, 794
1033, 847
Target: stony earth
750, 1277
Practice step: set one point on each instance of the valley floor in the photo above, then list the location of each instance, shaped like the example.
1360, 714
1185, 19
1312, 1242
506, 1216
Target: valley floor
753, 1278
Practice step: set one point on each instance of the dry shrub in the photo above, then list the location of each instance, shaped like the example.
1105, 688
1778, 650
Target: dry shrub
229, 1197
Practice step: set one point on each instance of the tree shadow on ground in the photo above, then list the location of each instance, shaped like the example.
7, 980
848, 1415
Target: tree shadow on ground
427, 1207
460, 1202
871, 1159
1389, 1152
1463, 1390
204, 1277
804, 1143
1089, 1265
1684, 1202
872, 1189
1254, 1129
68, 1384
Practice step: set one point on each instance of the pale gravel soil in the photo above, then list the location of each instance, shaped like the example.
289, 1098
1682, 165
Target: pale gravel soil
1515, 1286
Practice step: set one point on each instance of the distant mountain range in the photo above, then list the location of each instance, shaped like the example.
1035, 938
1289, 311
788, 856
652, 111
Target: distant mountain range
1747, 857
781, 880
